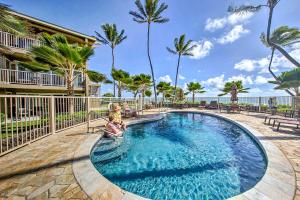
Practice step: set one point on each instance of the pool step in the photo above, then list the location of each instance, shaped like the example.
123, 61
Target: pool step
104, 142
108, 155
106, 150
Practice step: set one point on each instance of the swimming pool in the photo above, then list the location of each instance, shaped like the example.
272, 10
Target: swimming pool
183, 156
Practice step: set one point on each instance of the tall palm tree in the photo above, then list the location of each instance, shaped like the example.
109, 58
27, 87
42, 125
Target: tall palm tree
194, 87
122, 78
164, 88
289, 80
58, 55
181, 49
228, 87
112, 38
149, 13
9, 23
270, 4
284, 36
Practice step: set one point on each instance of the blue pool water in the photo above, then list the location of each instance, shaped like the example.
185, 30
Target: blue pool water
185, 156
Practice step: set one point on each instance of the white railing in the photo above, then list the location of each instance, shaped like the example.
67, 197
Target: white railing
8, 76
24, 119
13, 41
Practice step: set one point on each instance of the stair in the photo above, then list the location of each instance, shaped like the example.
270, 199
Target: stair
108, 151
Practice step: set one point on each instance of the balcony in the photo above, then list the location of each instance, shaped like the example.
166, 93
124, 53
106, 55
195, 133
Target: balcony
12, 41
8, 76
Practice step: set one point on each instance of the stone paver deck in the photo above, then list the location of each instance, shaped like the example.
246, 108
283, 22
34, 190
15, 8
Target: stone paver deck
43, 170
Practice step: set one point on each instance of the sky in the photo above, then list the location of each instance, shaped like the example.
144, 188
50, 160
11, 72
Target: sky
228, 45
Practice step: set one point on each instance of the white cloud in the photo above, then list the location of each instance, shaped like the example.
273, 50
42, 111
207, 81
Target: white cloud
181, 77
232, 19
233, 35
185, 86
261, 80
245, 65
214, 24
199, 71
202, 49
261, 64
165, 78
236, 18
247, 80
215, 82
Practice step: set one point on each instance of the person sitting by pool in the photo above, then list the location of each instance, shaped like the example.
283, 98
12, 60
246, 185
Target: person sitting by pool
116, 115
112, 129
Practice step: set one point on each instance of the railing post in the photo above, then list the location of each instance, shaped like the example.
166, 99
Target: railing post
259, 104
88, 110
140, 103
52, 115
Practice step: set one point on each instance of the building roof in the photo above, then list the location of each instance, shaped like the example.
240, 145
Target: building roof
53, 26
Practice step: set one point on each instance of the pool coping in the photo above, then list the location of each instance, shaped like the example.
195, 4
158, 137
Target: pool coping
278, 182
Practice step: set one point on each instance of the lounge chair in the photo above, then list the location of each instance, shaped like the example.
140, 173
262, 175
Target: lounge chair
286, 121
287, 114
202, 105
129, 112
213, 105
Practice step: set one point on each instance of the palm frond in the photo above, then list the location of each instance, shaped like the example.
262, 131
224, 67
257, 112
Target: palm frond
171, 50
161, 20
140, 7
101, 39
137, 16
159, 11
9, 23
244, 9
35, 66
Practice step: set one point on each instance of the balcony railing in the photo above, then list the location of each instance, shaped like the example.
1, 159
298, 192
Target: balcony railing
13, 41
8, 76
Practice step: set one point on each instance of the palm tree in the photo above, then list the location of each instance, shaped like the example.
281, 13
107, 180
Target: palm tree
149, 13
194, 88
112, 38
228, 87
148, 93
289, 80
58, 55
181, 49
133, 87
284, 36
122, 78
108, 94
9, 23
143, 81
164, 88
97, 77
271, 4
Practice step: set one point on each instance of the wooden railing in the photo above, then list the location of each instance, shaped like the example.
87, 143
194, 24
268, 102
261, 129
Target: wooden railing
13, 41
8, 76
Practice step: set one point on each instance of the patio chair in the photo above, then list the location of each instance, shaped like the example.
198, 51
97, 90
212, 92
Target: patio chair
287, 121
285, 115
202, 105
213, 105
